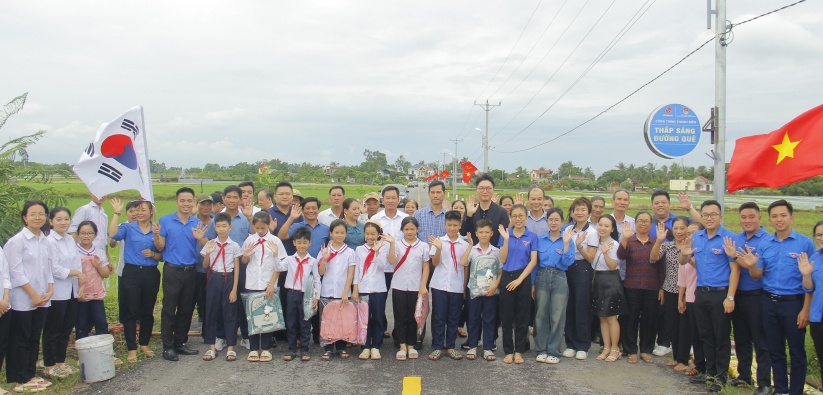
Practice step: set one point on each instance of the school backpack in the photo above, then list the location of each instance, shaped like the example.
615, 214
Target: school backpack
264, 315
339, 322
483, 274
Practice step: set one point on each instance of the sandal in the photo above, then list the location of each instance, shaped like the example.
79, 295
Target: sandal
210, 355
612, 357
632, 359
343, 354
265, 356
453, 354
509, 358
375, 354
253, 357
489, 356
365, 354
693, 372
518, 358
305, 357
436, 355
646, 358
603, 355
326, 356
231, 356
413, 353
400, 356
290, 357
147, 351
132, 357
471, 354
41, 382
30, 387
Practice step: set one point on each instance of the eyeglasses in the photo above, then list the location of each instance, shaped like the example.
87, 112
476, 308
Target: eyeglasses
521, 216
818, 235
643, 221
91, 234
485, 189
709, 215
554, 220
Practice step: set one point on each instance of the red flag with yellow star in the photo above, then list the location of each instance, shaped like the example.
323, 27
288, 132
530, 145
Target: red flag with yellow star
784, 156
445, 174
468, 171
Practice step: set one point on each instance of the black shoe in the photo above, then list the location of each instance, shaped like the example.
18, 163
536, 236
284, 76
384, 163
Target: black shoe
596, 340
738, 382
170, 355
465, 346
418, 345
700, 378
715, 387
494, 348
185, 350
763, 390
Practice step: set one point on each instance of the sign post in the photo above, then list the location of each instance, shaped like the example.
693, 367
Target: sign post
672, 131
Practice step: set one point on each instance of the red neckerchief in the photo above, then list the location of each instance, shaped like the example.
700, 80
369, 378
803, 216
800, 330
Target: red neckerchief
299, 275
454, 255
480, 250
369, 259
261, 243
406, 254
335, 253
220, 252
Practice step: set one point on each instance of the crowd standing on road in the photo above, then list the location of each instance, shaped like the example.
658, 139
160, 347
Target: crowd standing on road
652, 284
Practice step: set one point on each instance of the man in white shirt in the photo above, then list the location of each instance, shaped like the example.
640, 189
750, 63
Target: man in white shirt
390, 219
247, 187
336, 197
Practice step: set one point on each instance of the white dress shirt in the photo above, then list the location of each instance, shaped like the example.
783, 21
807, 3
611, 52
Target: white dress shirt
223, 263
410, 274
391, 225
5, 280
263, 262
448, 274
337, 270
29, 258
66, 259
372, 280
289, 265
327, 216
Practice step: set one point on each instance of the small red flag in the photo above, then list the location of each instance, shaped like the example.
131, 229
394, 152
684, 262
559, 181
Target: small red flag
782, 157
445, 174
468, 171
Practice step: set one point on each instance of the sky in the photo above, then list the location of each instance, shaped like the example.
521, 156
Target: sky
321, 81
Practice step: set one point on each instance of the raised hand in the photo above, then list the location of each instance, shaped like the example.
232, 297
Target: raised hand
247, 208
436, 242
568, 234
503, 232
469, 239
606, 247
662, 231
295, 213
248, 250
581, 237
685, 202
272, 247
471, 206
518, 199
378, 245
210, 246
273, 225
387, 238
805, 266
730, 247
688, 249
155, 228
495, 197
627, 230
324, 251
749, 260
199, 231
116, 205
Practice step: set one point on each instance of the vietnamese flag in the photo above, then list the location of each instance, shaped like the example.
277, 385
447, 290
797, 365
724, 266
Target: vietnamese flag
784, 156
445, 174
468, 171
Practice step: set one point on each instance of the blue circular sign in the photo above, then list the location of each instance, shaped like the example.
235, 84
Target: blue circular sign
672, 131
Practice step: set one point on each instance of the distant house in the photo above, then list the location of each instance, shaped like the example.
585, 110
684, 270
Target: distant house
329, 170
384, 172
537, 175
578, 178
263, 168
422, 171
699, 184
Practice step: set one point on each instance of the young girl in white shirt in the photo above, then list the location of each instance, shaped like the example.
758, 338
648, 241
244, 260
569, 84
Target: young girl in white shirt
263, 253
337, 267
370, 284
410, 274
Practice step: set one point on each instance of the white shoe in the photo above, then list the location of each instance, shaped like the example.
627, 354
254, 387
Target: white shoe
245, 343
541, 358
365, 354
581, 355
375, 354
219, 344
569, 353
552, 360
661, 351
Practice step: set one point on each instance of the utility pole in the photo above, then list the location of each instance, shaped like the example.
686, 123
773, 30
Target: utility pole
454, 167
719, 154
444, 160
486, 107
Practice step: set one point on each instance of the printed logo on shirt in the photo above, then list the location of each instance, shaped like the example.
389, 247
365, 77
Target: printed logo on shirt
794, 255
526, 243
559, 251
717, 251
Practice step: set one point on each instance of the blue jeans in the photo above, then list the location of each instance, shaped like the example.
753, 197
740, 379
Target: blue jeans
551, 298
91, 313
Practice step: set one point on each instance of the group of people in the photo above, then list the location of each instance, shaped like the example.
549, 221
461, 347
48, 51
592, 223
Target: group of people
651, 284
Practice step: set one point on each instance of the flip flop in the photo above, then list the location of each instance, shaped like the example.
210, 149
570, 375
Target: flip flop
326, 356
471, 354
436, 355
509, 358
209, 355
400, 356
455, 355
518, 358
413, 353
231, 356
343, 354
265, 356
305, 357
253, 357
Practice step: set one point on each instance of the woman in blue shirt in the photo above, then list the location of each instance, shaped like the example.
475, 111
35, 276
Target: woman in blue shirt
141, 278
354, 231
812, 270
550, 289
516, 281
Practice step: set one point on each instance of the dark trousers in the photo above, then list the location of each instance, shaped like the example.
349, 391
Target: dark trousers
579, 307
482, 318
24, 344
696, 343
643, 316
780, 328
377, 316
57, 329
670, 328
464, 309
138, 297
218, 309
5, 324
91, 314
815, 330
747, 320
445, 316
178, 305
515, 312
684, 338
200, 296
241, 310
296, 323
714, 329
661, 327
405, 326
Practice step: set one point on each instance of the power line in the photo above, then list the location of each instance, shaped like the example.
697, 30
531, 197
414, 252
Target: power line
645, 84
620, 34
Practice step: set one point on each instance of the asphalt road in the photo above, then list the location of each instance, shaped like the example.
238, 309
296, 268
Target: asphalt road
191, 375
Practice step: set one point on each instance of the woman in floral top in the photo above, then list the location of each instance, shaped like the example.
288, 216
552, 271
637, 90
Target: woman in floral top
669, 292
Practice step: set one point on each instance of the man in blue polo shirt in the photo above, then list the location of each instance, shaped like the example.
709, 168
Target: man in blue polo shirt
786, 303
280, 211
717, 276
747, 318
536, 217
176, 236
310, 208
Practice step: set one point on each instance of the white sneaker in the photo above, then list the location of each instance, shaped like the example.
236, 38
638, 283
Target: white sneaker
661, 351
569, 353
219, 344
581, 355
245, 343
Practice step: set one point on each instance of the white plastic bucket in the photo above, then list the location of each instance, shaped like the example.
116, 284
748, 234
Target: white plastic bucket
96, 354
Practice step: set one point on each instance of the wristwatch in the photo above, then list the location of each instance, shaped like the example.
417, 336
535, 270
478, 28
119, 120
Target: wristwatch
730, 298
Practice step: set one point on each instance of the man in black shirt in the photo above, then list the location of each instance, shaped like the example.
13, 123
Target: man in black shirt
485, 209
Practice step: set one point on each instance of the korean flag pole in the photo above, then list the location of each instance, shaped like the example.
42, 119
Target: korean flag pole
117, 159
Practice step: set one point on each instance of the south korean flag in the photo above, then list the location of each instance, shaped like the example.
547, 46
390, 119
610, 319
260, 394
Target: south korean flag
117, 159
